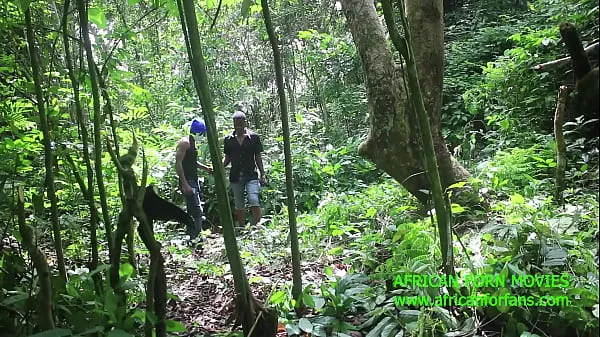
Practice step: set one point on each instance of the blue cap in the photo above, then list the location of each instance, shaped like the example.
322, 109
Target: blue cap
198, 126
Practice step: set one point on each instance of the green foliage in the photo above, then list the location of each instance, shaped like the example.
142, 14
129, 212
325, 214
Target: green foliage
494, 95
339, 299
530, 170
316, 170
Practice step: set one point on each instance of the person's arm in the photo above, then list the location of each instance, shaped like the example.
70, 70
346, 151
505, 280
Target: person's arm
179, 155
226, 160
205, 167
259, 162
261, 169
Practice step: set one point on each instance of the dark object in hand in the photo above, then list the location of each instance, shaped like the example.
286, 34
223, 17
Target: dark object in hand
157, 208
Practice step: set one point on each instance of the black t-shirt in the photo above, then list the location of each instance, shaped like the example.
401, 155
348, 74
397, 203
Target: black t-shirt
243, 163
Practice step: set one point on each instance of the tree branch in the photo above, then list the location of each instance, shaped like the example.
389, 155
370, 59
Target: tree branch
593, 48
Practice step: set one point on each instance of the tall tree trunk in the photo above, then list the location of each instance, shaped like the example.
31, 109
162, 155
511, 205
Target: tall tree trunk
426, 19
48, 153
88, 192
393, 143
289, 178
240, 281
405, 46
561, 146
83, 21
250, 312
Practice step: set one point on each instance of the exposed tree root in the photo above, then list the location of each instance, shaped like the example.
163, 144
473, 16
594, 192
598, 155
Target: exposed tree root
256, 320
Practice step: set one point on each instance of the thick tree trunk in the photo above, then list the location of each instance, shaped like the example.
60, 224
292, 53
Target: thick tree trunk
405, 46
426, 20
393, 143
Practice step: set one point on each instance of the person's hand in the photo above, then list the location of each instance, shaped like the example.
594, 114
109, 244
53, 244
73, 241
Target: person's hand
263, 180
187, 189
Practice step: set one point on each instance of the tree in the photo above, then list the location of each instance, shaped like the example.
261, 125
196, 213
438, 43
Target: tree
289, 182
405, 46
92, 70
393, 143
48, 152
255, 320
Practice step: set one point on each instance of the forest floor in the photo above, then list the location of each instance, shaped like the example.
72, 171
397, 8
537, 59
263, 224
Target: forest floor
201, 285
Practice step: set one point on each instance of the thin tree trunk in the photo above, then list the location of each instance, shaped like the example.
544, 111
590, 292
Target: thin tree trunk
89, 191
48, 153
113, 127
198, 65
289, 178
249, 310
156, 290
44, 296
561, 148
405, 46
83, 21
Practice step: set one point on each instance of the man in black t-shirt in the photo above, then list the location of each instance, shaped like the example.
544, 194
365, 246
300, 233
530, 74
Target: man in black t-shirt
243, 150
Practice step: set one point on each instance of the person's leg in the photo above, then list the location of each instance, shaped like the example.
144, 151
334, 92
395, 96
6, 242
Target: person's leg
253, 189
238, 201
194, 209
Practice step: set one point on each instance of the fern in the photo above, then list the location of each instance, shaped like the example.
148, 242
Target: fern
13, 114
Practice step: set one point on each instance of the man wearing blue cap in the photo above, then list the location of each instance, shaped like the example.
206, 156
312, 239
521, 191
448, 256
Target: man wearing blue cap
186, 164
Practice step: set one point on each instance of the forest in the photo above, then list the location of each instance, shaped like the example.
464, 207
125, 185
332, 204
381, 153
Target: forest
430, 168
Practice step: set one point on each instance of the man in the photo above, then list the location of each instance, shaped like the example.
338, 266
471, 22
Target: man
186, 164
243, 150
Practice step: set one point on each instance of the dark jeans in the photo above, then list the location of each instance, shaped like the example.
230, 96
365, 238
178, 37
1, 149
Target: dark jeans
194, 208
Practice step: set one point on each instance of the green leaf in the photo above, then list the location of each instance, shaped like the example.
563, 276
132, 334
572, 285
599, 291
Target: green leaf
174, 326
125, 270
456, 209
319, 330
517, 199
292, 329
376, 332
390, 330
308, 300
172, 8
277, 297
305, 34
15, 299
96, 15
53, 333
132, 2
457, 185
529, 334
305, 325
